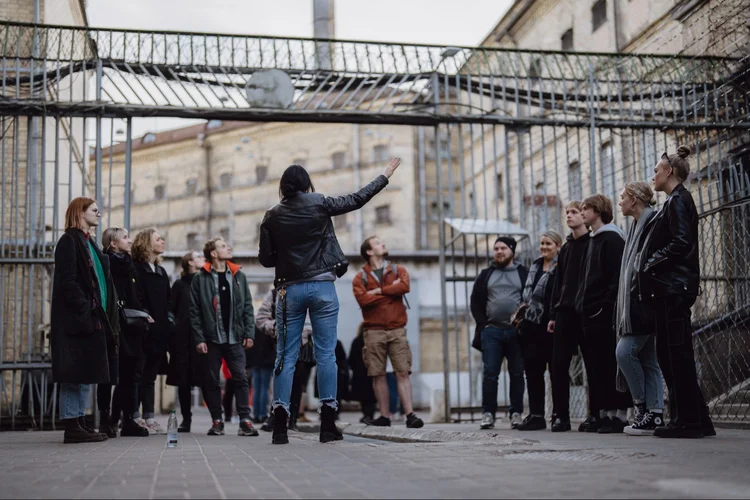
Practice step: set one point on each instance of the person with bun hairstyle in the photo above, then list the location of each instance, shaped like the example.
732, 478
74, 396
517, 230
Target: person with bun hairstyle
669, 280
638, 368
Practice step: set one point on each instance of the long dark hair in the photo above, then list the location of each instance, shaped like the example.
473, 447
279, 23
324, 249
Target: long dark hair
295, 180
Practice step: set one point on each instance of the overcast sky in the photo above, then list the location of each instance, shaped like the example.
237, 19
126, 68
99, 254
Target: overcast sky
442, 22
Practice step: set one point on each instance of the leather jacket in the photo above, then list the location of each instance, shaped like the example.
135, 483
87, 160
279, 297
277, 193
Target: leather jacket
670, 261
297, 236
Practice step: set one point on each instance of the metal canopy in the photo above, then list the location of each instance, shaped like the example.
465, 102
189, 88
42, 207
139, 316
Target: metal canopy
146, 73
486, 226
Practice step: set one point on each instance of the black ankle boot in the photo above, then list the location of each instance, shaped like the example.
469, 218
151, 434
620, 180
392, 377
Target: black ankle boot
185, 425
74, 433
106, 426
131, 429
328, 430
83, 424
280, 419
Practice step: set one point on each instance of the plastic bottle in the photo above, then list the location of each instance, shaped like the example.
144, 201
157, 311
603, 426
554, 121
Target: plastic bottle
172, 434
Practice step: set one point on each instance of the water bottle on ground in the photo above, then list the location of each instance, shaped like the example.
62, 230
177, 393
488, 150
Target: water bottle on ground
172, 430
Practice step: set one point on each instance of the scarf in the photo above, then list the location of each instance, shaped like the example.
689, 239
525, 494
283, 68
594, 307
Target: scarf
630, 256
534, 295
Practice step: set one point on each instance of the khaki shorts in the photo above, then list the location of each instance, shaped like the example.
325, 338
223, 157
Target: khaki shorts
390, 343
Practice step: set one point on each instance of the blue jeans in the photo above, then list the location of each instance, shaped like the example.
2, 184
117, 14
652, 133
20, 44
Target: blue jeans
636, 356
261, 383
496, 345
73, 400
320, 300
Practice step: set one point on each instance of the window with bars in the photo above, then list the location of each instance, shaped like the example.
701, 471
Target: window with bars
380, 153
191, 186
225, 180
193, 243
338, 160
598, 14
566, 41
261, 174
383, 214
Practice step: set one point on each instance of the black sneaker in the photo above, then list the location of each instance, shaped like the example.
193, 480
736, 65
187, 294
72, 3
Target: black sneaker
185, 426
680, 431
413, 421
532, 423
381, 421
646, 426
247, 429
607, 425
591, 424
560, 424
131, 429
217, 428
268, 424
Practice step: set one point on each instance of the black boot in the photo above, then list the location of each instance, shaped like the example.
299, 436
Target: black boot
328, 430
131, 428
106, 426
280, 418
185, 425
83, 424
268, 424
74, 433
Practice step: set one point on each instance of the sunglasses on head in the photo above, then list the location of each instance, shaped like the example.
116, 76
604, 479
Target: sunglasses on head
665, 156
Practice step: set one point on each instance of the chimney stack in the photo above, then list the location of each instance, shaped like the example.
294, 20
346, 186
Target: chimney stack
323, 28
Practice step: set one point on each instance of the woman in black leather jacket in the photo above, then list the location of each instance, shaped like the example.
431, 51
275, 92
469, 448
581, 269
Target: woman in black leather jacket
298, 240
669, 281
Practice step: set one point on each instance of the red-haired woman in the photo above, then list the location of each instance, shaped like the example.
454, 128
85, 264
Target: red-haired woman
84, 319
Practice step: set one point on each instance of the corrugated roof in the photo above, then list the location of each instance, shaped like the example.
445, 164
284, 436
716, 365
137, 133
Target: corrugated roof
486, 226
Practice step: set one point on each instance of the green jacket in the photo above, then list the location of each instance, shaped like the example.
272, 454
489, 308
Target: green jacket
204, 302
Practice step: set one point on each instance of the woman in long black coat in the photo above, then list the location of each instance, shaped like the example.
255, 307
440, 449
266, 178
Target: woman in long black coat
185, 364
117, 246
153, 283
361, 390
83, 318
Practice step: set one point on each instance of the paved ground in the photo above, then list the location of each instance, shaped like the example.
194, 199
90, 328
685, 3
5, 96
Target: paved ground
503, 463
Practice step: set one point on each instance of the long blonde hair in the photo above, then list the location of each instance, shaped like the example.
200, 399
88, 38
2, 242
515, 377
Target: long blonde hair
142, 246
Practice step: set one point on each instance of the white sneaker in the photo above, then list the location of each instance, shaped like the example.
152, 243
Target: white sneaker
155, 428
488, 421
515, 420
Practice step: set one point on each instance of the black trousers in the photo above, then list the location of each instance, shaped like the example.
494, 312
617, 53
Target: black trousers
228, 398
566, 340
151, 365
185, 393
299, 383
599, 345
234, 355
125, 399
537, 348
674, 348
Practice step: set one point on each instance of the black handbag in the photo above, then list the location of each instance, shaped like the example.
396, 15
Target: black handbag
134, 317
307, 353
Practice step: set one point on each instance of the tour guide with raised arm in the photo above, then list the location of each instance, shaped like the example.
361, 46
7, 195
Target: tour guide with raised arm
298, 240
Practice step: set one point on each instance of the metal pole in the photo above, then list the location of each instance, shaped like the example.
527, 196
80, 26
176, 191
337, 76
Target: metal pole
98, 166
592, 130
128, 173
441, 260
422, 190
357, 184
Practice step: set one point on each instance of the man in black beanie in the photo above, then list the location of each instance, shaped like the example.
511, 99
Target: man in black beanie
495, 297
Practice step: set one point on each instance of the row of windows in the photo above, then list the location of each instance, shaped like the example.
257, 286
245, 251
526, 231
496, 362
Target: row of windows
382, 217
598, 18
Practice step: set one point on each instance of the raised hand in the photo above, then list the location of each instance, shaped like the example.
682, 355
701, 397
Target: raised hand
392, 166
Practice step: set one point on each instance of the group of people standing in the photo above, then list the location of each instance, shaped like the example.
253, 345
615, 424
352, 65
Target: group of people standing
115, 317
624, 300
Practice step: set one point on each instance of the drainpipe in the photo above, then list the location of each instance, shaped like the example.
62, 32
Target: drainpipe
206, 146
618, 29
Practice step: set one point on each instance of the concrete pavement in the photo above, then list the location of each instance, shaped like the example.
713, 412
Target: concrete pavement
499, 463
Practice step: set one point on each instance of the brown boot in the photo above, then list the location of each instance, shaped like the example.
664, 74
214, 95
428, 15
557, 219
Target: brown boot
74, 433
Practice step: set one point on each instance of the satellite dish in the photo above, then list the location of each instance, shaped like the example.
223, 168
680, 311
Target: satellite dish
270, 88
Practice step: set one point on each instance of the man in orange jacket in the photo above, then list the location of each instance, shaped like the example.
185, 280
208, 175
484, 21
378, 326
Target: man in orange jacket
379, 289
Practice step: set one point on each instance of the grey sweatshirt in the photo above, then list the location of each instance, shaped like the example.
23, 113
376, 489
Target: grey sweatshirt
504, 292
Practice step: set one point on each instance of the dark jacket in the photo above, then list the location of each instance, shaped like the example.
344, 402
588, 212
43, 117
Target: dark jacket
204, 299
597, 292
83, 335
642, 313
671, 260
125, 280
297, 236
342, 375
362, 389
186, 366
155, 291
479, 301
568, 274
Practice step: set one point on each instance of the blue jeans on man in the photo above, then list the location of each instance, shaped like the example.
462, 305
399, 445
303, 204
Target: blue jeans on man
497, 344
320, 299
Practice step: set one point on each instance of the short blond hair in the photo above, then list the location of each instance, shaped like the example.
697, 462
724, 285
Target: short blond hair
111, 235
577, 204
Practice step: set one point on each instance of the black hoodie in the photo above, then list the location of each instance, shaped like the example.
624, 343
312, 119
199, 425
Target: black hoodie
597, 292
124, 278
568, 274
